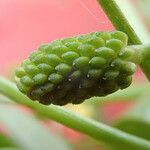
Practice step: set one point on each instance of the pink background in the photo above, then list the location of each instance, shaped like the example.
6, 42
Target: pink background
25, 24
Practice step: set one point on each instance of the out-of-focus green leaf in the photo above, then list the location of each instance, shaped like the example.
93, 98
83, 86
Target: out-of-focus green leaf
5, 100
27, 133
137, 120
9, 148
6, 148
5, 141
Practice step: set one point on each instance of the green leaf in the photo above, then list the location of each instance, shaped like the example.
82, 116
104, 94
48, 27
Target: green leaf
8, 148
5, 141
27, 133
137, 120
4, 99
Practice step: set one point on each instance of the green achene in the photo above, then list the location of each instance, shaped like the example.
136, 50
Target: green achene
73, 69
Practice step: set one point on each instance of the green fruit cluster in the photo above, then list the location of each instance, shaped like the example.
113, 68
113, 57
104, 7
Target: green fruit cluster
73, 69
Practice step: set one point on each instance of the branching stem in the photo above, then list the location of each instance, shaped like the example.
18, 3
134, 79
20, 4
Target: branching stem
121, 23
84, 125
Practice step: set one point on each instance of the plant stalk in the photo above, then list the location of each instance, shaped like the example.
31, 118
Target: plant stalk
118, 19
121, 23
141, 56
99, 131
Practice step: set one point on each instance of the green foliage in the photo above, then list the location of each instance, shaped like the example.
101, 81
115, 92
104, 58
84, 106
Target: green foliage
137, 120
6, 141
26, 132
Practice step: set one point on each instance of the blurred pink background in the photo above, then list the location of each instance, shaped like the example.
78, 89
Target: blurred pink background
25, 24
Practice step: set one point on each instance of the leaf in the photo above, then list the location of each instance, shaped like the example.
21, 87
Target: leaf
8, 148
5, 141
137, 120
27, 133
5, 100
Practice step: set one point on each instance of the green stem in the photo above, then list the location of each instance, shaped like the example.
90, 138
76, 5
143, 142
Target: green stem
140, 54
121, 23
118, 19
99, 131
145, 64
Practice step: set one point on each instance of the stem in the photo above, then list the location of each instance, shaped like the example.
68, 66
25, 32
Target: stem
121, 23
145, 64
99, 131
140, 55
118, 19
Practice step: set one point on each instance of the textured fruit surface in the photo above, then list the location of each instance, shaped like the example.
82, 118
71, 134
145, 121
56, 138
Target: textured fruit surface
73, 69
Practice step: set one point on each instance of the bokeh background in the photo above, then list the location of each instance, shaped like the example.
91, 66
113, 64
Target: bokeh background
26, 24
